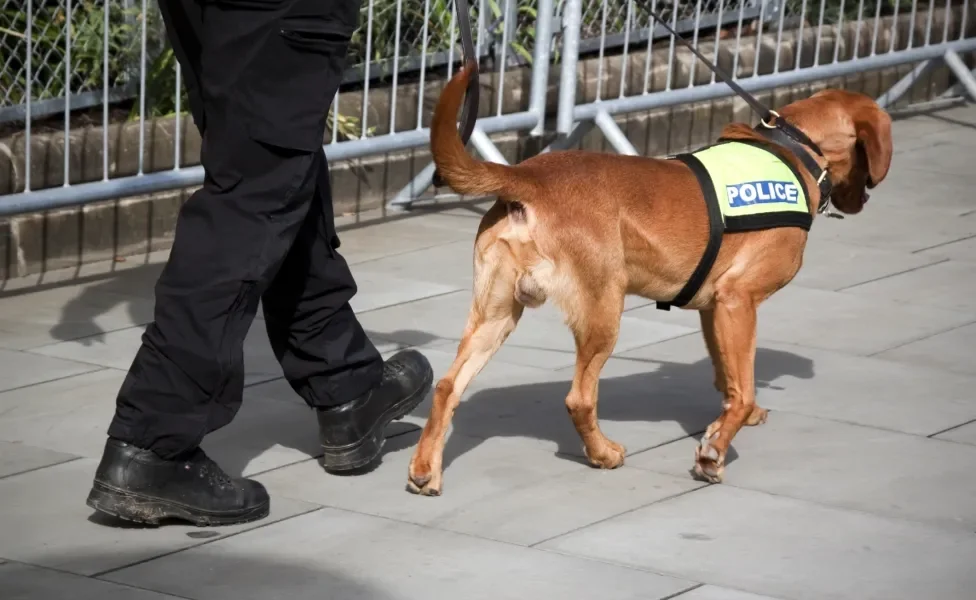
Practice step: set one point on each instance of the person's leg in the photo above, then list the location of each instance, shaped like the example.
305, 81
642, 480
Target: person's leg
324, 351
266, 86
184, 23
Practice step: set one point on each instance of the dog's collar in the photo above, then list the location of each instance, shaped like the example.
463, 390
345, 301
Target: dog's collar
785, 134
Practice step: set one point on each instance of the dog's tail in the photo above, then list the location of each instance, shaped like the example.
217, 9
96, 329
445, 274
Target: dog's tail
457, 168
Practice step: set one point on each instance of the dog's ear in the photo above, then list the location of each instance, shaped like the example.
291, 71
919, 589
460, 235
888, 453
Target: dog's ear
873, 130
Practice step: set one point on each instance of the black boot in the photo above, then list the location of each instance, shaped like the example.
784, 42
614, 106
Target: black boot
352, 434
137, 485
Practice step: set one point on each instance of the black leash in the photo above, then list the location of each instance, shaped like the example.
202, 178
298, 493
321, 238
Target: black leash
469, 111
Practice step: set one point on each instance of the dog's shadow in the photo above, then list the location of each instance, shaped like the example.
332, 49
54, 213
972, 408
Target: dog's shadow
629, 406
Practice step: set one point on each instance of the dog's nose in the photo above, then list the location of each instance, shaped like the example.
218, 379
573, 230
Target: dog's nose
866, 197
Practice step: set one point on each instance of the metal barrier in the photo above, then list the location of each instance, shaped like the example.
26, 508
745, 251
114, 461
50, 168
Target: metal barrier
57, 56
868, 54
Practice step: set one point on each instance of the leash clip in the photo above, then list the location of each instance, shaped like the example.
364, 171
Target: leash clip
767, 125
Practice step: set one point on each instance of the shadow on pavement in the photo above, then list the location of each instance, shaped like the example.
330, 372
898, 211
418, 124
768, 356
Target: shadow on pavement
668, 392
215, 574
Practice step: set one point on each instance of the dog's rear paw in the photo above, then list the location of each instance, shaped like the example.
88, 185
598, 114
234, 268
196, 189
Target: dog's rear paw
609, 456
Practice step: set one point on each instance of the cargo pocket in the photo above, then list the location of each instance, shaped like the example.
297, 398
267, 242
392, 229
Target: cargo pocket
296, 78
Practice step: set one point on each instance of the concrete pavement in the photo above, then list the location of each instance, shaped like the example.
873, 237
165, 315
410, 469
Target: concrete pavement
860, 486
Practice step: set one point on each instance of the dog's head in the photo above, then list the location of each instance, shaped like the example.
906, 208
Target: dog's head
854, 134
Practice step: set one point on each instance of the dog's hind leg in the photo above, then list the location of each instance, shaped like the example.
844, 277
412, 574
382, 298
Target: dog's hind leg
734, 336
596, 334
493, 316
758, 414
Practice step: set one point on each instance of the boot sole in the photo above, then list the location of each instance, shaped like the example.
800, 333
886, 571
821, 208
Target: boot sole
151, 511
365, 451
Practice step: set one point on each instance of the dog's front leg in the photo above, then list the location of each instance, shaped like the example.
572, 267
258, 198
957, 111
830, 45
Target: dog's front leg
730, 333
758, 414
707, 318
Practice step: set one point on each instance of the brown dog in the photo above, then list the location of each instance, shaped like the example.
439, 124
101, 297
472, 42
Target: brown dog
586, 229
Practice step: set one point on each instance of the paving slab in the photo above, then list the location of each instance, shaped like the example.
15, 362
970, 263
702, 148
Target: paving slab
139, 281
46, 522
840, 321
946, 153
911, 186
351, 556
898, 227
907, 130
714, 592
448, 264
37, 318
964, 434
16, 457
26, 582
379, 289
117, 349
818, 383
848, 323
541, 338
71, 416
19, 370
500, 489
842, 465
783, 547
963, 250
374, 238
950, 285
952, 351
832, 265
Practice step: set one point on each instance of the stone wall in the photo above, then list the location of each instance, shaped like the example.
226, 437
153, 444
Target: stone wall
101, 231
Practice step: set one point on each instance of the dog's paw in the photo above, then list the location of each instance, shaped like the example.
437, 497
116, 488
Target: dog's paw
423, 481
757, 416
431, 488
709, 462
609, 456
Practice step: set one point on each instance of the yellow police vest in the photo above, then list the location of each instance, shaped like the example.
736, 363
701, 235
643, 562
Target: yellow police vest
746, 187
754, 188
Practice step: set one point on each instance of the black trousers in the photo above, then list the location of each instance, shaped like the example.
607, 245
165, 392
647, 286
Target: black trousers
260, 76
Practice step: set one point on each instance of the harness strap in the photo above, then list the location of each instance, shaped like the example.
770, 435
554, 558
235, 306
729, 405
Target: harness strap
716, 229
783, 138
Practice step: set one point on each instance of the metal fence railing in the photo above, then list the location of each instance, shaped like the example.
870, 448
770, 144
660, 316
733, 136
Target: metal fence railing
810, 40
90, 72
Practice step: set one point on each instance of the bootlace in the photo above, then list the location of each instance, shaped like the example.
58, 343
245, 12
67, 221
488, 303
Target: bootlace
393, 369
207, 468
